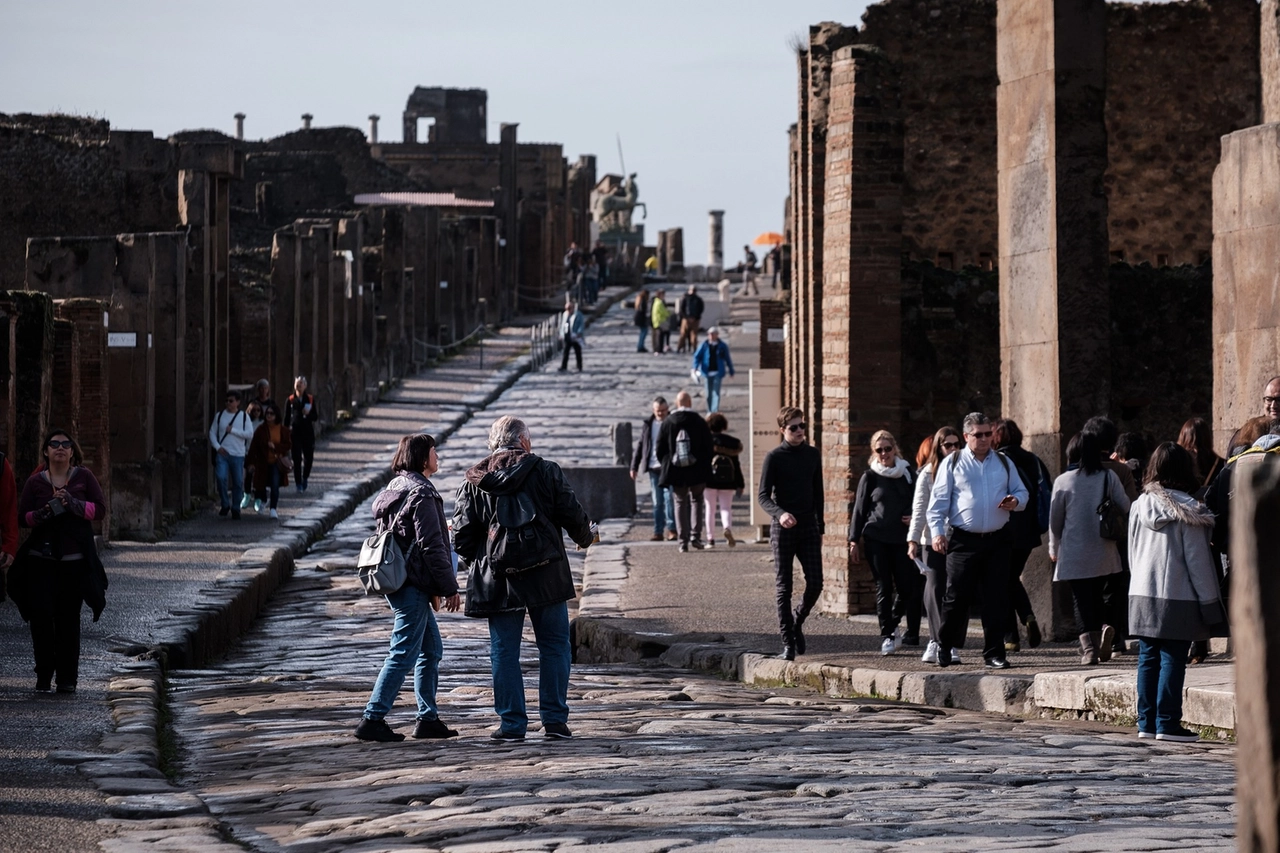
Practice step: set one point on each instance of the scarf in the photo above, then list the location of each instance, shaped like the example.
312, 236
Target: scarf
900, 469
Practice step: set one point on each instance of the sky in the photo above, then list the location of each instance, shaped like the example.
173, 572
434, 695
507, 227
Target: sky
701, 92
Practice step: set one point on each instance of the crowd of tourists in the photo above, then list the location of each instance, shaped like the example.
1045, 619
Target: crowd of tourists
586, 273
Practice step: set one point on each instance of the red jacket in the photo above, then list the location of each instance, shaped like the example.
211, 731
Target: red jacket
8, 511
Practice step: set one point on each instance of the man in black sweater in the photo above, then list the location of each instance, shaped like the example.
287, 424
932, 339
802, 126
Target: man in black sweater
791, 492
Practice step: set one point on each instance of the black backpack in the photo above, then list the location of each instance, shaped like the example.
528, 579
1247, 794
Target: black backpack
722, 471
519, 538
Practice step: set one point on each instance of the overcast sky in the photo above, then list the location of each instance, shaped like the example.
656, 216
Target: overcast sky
701, 91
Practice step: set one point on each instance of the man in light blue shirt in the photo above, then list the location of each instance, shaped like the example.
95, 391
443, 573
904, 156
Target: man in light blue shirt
973, 493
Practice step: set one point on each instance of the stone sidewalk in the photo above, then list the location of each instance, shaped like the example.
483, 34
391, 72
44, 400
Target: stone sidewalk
187, 598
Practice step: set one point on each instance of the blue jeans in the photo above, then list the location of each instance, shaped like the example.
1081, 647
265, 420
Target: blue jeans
230, 468
664, 508
1162, 669
416, 645
551, 632
644, 333
713, 392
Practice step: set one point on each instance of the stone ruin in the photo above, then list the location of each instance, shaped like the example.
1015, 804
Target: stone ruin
142, 277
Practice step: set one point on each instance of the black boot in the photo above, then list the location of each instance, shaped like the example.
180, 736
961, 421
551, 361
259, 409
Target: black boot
797, 633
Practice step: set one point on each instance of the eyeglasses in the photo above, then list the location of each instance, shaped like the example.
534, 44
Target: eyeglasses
986, 434
1270, 401
64, 445
951, 445
883, 451
797, 427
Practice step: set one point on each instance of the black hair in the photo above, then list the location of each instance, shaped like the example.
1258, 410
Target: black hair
413, 452
1172, 467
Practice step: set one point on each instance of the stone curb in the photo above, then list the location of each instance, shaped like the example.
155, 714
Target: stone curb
600, 636
199, 633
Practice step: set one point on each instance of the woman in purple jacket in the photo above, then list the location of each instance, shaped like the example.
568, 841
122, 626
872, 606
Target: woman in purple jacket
412, 508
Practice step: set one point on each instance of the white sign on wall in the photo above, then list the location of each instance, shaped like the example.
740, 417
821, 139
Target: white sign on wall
776, 336
122, 339
766, 400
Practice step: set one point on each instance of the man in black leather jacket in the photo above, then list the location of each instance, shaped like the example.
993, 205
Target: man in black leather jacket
544, 591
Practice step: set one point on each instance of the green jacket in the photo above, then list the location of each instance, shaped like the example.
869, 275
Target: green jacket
659, 313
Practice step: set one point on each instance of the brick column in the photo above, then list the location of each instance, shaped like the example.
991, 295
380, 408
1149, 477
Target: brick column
283, 356
860, 307
90, 403
28, 354
803, 204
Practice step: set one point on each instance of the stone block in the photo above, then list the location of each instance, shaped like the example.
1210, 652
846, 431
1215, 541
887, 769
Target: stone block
1023, 107
1029, 380
603, 491
1061, 690
1026, 28
1029, 317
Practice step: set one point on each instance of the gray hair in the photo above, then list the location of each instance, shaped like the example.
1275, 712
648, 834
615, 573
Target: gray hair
974, 419
660, 400
507, 432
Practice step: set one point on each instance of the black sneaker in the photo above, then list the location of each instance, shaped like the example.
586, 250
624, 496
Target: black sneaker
1033, 633
235, 515
788, 652
556, 731
697, 543
996, 663
799, 635
44, 683
66, 688
378, 731
223, 512
500, 734
1178, 735
432, 729
944, 656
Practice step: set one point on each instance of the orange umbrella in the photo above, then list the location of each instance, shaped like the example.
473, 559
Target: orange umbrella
769, 238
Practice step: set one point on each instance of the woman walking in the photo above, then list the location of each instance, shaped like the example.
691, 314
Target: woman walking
726, 479
411, 508
1081, 557
881, 512
1196, 438
300, 415
269, 455
57, 569
256, 419
642, 319
932, 451
1174, 596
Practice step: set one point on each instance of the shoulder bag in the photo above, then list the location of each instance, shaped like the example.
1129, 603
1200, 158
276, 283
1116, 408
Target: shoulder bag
1113, 523
383, 567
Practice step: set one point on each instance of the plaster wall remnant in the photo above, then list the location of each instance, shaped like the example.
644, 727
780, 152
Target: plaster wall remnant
459, 114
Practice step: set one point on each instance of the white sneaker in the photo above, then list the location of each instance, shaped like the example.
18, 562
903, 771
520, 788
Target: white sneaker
930, 653
273, 514
955, 656
889, 646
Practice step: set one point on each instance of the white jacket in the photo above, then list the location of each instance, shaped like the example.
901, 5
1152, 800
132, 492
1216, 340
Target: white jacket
237, 429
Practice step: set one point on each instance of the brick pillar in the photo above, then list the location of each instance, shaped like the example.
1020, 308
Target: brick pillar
509, 215
282, 354
1055, 320
391, 304
860, 308
28, 378
1255, 621
90, 405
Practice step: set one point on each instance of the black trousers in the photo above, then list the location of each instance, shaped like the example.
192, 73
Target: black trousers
1115, 596
899, 586
55, 622
935, 589
805, 543
1088, 595
303, 453
1019, 601
977, 565
577, 350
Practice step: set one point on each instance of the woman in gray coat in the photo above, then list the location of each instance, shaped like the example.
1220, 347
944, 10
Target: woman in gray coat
1174, 597
1081, 557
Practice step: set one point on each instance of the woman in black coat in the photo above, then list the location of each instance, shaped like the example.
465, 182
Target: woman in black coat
300, 414
881, 513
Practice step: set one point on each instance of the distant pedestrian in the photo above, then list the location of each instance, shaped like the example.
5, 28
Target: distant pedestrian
791, 493
749, 262
645, 458
1132, 450
601, 255
254, 411
261, 394
685, 451
513, 474
659, 317
726, 479
691, 308
56, 570
712, 362
974, 493
881, 513
1082, 558
300, 417
1027, 527
229, 437
642, 318
933, 451
1174, 596
271, 458
573, 326
591, 280
412, 509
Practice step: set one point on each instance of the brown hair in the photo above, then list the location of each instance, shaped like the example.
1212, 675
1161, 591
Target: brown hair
1196, 438
1007, 434
717, 422
922, 453
77, 456
641, 298
1172, 467
939, 452
413, 452
787, 413
1253, 429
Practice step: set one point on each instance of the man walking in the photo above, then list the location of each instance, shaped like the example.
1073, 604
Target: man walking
685, 451
974, 491
749, 272
691, 308
791, 492
515, 499
573, 326
646, 456
229, 436
712, 361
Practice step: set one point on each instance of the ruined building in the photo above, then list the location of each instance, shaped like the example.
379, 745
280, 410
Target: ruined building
1038, 252
141, 277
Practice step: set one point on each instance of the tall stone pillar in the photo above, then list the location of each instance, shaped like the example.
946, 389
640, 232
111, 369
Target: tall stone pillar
1255, 624
715, 246
1055, 318
801, 204
862, 277
509, 216
1270, 61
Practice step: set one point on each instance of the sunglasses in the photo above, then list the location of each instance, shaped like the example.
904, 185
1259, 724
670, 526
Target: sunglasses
950, 445
797, 427
986, 434
64, 445
883, 451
